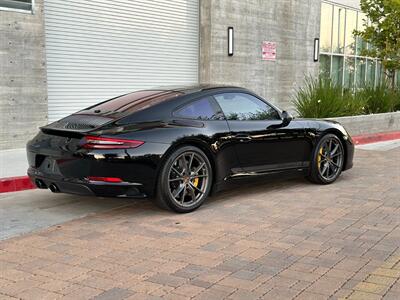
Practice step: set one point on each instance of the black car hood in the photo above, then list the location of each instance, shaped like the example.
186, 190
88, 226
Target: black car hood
323, 124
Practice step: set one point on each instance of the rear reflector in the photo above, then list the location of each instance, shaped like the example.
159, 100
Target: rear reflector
98, 142
105, 179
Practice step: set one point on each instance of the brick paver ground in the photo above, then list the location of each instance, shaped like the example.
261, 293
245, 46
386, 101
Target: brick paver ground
281, 240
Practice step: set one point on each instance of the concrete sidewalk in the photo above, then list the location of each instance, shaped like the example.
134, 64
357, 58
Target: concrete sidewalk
13, 163
380, 146
26, 211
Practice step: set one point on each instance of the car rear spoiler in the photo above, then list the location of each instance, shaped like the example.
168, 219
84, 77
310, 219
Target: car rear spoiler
76, 125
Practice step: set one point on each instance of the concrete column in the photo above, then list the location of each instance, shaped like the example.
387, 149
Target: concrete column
23, 87
292, 24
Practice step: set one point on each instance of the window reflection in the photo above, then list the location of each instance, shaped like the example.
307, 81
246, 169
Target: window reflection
325, 65
339, 14
351, 25
379, 72
349, 72
326, 27
198, 110
337, 69
371, 70
361, 44
360, 74
245, 107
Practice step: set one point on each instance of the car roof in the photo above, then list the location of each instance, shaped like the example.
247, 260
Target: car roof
190, 89
143, 99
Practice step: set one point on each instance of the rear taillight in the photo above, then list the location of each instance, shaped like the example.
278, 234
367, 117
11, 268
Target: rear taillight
105, 179
98, 142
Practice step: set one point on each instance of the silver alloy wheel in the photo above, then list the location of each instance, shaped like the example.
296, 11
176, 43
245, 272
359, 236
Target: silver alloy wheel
188, 179
330, 159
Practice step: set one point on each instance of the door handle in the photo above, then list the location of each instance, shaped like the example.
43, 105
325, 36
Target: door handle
242, 137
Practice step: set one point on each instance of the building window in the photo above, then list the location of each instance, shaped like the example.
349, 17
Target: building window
341, 53
25, 6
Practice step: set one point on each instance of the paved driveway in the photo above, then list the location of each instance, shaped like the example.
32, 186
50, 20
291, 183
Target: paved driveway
280, 240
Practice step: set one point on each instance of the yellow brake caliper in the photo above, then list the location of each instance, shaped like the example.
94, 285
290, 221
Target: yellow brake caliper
196, 181
319, 157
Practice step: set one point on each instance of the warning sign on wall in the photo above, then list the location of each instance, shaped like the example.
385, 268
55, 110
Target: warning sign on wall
269, 51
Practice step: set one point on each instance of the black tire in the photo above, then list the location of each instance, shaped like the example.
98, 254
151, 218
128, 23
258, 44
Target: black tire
191, 191
326, 167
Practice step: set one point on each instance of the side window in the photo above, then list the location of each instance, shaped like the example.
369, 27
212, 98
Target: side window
245, 107
201, 109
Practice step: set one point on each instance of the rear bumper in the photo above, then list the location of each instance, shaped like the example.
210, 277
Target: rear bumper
57, 160
86, 187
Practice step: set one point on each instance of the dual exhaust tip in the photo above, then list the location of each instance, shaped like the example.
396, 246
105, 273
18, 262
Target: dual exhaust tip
52, 187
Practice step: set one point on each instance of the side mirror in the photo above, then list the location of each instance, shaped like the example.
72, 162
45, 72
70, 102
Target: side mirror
286, 118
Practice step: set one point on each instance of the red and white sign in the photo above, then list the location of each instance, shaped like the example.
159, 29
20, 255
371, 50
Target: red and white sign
269, 51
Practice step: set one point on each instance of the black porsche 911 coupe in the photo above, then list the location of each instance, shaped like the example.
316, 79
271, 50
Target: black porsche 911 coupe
175, 145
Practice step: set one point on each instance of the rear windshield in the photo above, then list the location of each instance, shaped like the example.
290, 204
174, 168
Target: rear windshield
131, 103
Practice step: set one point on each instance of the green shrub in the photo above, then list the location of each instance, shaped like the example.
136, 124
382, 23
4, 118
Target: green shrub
321, 98
397, 99
355, 103
379, 99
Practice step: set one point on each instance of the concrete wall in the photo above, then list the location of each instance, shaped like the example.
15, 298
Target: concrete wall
23, 90
292, 24
367, 124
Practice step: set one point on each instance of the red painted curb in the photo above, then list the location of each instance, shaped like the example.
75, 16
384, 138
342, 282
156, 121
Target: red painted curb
376, 137
14, 184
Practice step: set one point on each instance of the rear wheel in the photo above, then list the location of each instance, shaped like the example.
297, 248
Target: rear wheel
185, 180
327, 161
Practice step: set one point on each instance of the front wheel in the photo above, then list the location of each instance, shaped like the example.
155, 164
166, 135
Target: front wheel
185, 180
327, 160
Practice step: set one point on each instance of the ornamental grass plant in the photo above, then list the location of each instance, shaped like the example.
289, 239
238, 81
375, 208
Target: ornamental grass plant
379, 99
322, 98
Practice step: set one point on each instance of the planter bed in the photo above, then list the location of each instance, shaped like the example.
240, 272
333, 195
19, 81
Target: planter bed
370, 124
